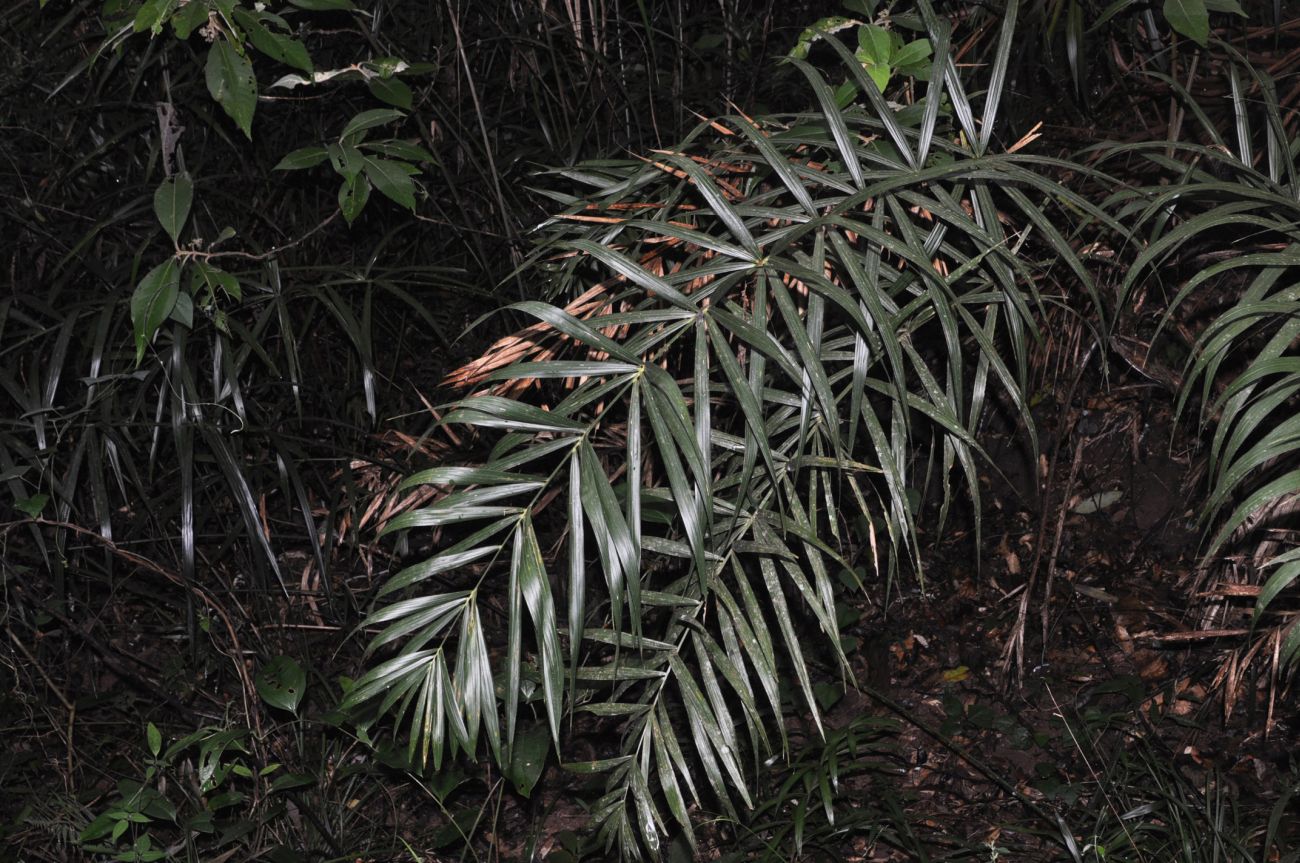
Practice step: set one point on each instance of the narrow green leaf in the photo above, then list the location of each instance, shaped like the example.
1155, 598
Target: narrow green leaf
367, 120
305, 157
1287, 570
718, 202
997, 80
536, 587
635, 272
577, 567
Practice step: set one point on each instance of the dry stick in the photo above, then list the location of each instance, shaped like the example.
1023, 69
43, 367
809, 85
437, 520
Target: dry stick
110, 658
259, 256
1176, 112
1016, 643
1101, 786
478, 115
1056, 541
63, 699
159, 569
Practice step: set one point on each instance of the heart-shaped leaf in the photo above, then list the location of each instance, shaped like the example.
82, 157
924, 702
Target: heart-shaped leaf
528, 757
281, 683
32, 506
1189, 17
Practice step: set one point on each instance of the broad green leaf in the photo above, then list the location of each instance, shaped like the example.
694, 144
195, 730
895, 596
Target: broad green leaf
208, 279
189, 18
394, 91
171, 204
874, 45
392, 179
528, 757
367, 120
346, 160
183, 312
275, 45
879, 74
152, 15
912, 53
152, 302
154, 738
232, 84
353, 195
1228, 7
1190, 18
281, 683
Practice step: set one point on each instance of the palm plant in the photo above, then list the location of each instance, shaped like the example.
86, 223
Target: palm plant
1225, 214
711, 421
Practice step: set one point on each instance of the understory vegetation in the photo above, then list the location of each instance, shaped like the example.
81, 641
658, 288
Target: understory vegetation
547, 430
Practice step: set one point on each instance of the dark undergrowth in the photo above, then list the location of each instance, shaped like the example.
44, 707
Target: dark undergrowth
582, 431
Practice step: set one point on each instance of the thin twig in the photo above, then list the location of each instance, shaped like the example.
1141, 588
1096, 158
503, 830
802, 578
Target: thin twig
158, 569
261, 256
1015, 646
58, 693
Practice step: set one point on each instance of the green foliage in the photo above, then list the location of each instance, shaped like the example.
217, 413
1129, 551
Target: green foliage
763, 357
219, 777
282, 683
794, 306
1073, 32
1242, 370
362, 164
